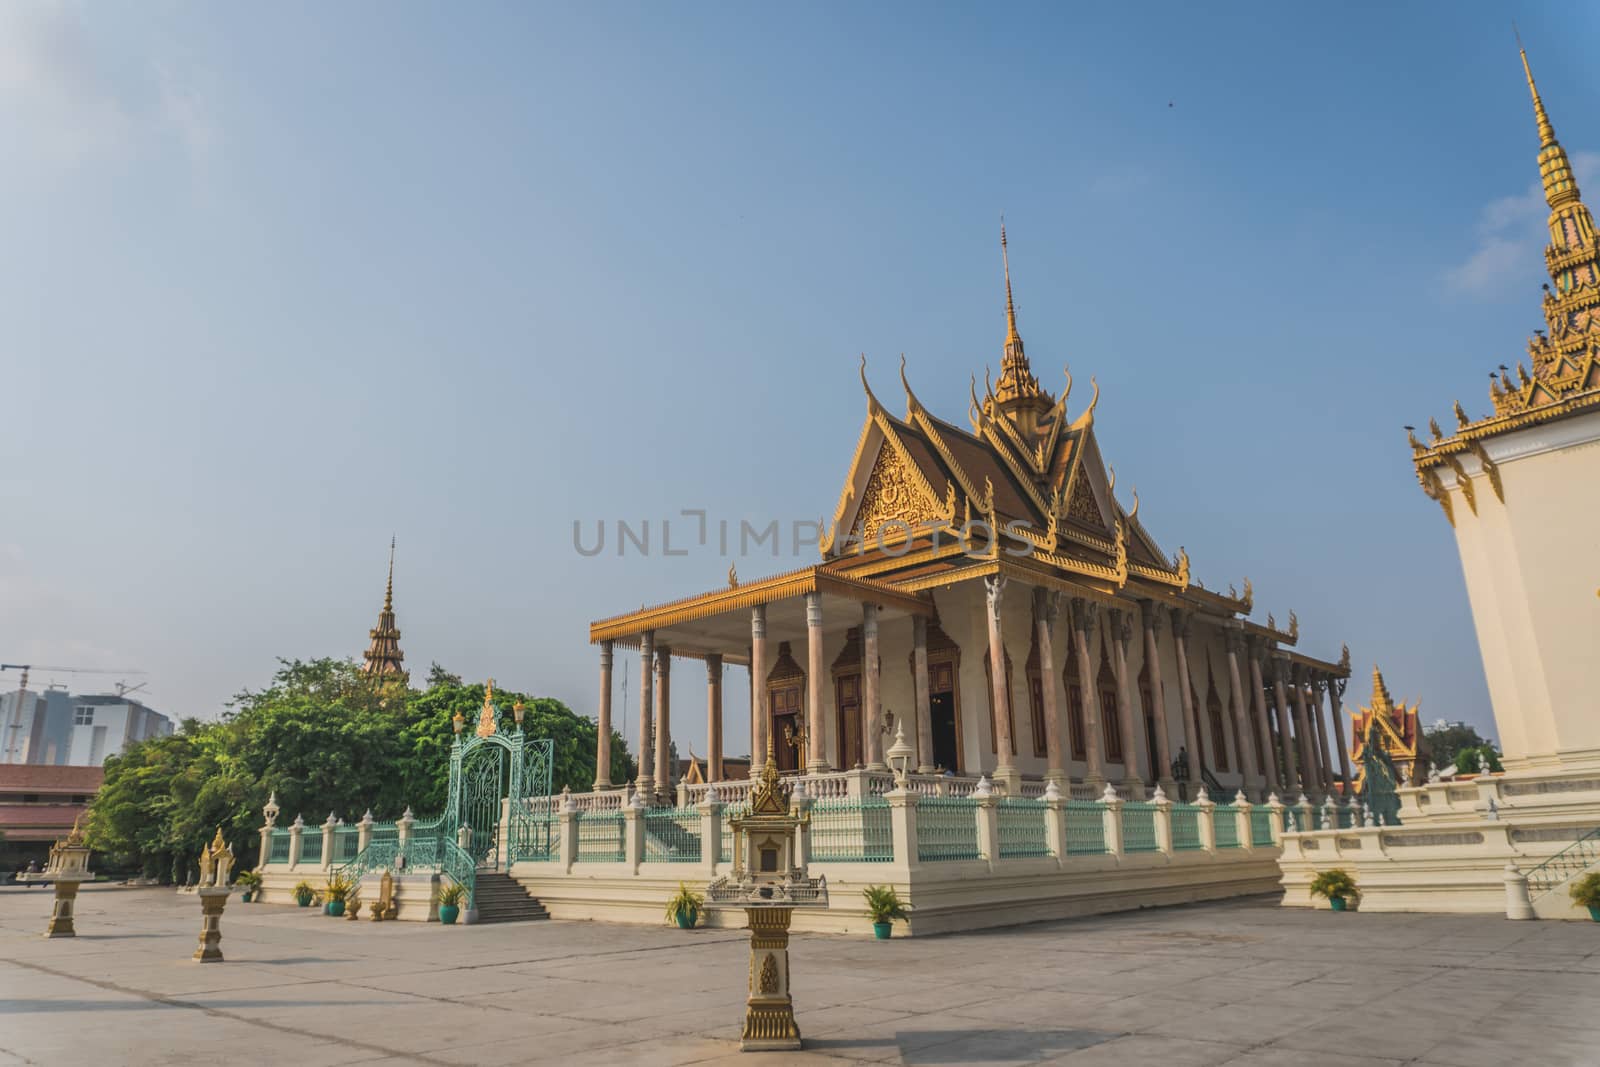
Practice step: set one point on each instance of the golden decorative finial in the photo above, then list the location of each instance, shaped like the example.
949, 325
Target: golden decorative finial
388, 590
1272, 623
1433, 428
1344, 658
486, 718
733, 576
1547, 132
1554, 167
1461, 416
1294, 626
1012, 336
1249, 598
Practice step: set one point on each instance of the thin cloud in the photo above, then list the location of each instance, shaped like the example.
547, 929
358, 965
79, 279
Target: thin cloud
1512, 235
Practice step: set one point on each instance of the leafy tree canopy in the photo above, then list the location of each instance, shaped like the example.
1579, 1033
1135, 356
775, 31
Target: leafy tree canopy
325, 738
1444, 743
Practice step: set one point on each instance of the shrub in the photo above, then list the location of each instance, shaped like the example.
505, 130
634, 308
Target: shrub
450, 893
338, 888
1335, 883
685, 899
1585, 892
885, 904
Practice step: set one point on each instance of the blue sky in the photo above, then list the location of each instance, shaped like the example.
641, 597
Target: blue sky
286, 280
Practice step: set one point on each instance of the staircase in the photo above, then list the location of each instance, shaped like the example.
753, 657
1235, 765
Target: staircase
502, 899
1548, 882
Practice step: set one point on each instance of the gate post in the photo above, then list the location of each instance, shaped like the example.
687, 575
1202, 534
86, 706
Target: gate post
569, 832
633, 833
710, 831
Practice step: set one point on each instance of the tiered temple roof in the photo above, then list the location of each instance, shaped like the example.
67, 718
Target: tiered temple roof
1397, 724
1562, 377
383, 656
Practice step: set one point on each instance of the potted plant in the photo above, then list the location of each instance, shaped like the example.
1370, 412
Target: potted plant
304, 894
450, 897
685, 907
1585, 893
1338, 887
338, 888
250, 881
885, 906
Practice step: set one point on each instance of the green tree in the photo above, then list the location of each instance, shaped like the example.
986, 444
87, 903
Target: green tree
1444, 742
1478, 760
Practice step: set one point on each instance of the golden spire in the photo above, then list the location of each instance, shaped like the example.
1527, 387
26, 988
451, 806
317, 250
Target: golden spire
1555, 170
1017, 392
1013, 339
1381, 701
383, 656
388, 589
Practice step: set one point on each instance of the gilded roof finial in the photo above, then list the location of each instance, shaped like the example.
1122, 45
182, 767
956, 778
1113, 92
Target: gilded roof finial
1554, 168
388, 589
1012, 337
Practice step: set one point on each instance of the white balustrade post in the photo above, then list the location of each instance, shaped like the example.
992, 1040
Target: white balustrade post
710, 809
402, 829
1206, 819
464, 837
1518, 903
903, 824
1242, 809
799, 806
1275, 806
364, 833
569, 833
1113, 820
296, 828
1055, 821
1163, 822
1304, 813
987, 813
327, 840
633, 833
683, 795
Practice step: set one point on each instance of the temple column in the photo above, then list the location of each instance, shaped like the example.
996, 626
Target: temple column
1181, 625
1046, 607
1005, 767
871, 676
1321, 737
1084, 614
919, 681
1291, 780
714, 717
1309, 782
1243, 735
759, 724
644, 783
1263, 731
1335, 691
1121, 634
816, 732
1158, 697
602, 749
663, 720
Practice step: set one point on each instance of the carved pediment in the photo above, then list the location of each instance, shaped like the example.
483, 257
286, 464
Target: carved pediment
892, 497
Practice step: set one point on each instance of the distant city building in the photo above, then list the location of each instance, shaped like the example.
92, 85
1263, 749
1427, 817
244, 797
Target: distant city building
57, 728
383, 656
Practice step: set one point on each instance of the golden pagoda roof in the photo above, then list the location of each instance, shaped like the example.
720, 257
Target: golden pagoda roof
1397, 724
1562, 377
383, 656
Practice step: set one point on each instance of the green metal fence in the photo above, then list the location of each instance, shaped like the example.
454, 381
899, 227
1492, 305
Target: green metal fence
672, 835
1022, 828
1261, 827
535, 839
1086, 827
601, 837
729, 813
311, 845
851, 831
1139, 827
1225, 823
459, 866
1345, 817
278, 847
1185, 827
947, 829
346, 843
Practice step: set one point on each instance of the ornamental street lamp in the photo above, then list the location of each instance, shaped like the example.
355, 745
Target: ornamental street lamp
900, 755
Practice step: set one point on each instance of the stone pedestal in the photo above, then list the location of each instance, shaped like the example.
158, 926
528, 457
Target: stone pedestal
61, 913
769, 1024
212, 901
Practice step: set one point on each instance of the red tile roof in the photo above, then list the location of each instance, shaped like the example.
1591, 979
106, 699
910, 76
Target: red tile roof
43, 778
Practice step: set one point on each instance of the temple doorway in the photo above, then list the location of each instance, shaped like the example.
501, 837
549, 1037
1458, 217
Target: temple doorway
942, 708
785, 683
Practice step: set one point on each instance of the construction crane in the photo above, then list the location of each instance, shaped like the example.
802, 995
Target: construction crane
22, 694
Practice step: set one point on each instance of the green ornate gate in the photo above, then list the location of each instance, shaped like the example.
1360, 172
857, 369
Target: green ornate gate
485, 770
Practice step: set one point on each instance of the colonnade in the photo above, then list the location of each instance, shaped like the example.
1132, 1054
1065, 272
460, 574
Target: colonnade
1276, 717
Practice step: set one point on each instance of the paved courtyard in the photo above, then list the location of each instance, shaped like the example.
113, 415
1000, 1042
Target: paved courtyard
1243, 983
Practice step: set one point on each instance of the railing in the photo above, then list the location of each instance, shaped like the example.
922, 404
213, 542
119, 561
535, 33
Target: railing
1139, 827
1083, 791
947, 829
672, 835
1185, 827
1261, 827
1086, 827
311, 845
606, 800
1560, 868
461, 868
601, 837
851, 831
1022, 828
1225, 826
278, 846
729, 813
533, 838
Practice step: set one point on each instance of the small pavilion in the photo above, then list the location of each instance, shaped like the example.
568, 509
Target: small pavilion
987, 583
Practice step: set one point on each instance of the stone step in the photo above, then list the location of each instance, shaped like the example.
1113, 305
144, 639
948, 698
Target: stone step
501, 898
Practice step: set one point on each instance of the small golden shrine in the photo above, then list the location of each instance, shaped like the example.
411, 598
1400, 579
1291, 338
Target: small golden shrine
769, 884
68, 865
1397, 726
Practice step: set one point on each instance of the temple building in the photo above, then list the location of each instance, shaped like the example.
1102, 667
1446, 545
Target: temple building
383, 658
1518, 487
1398, 728
985, 588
